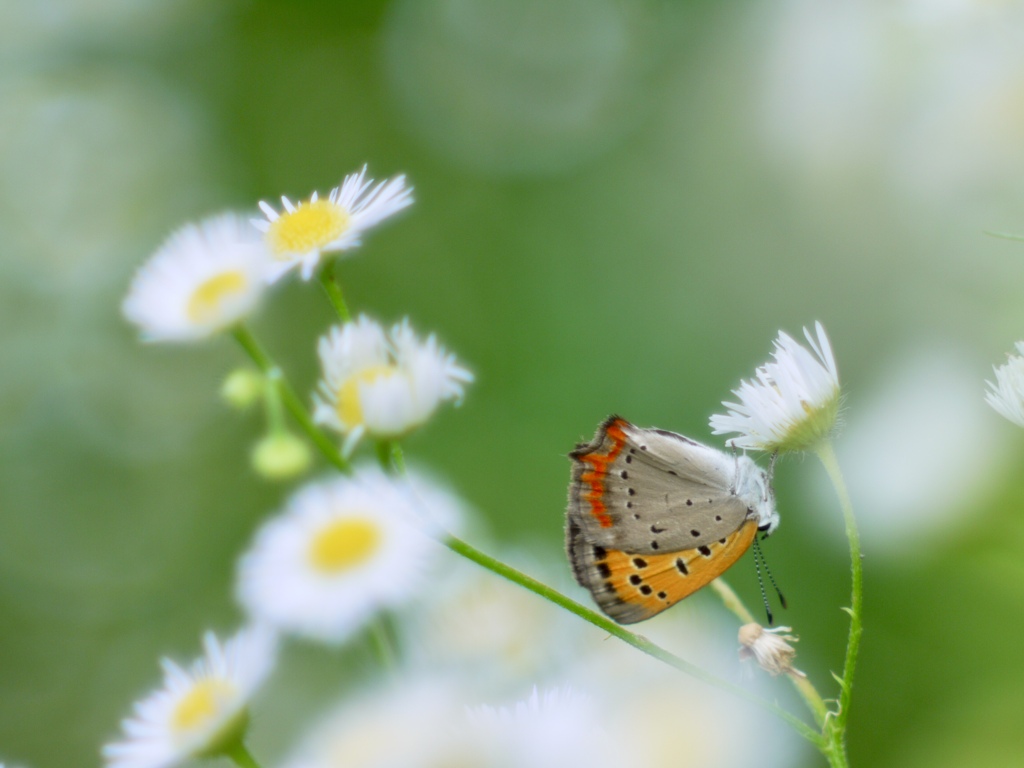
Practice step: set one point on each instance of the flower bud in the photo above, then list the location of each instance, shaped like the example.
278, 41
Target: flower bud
242, 388
281, 456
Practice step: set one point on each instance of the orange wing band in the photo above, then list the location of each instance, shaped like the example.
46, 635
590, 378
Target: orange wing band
595, 477
651, 583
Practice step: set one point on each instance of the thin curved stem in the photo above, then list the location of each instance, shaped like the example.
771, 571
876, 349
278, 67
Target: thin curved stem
1005, 235
380, 637
732, 601
241, 756
332, 288
289, 398
637, 641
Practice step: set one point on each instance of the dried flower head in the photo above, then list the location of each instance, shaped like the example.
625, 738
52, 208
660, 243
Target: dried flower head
770, 648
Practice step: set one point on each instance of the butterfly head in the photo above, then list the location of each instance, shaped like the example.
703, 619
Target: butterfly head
754, 486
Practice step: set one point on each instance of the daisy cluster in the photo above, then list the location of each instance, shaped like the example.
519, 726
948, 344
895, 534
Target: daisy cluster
209, 276
344, 547
359, 552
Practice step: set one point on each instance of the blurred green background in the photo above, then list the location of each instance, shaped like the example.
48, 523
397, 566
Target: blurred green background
618, 205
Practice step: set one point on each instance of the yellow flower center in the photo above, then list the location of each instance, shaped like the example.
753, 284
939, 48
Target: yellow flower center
344, 544
207, 300
310, 226
200, 705
350, 409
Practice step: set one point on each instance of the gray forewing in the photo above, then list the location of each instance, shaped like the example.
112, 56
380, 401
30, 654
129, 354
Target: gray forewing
662, 493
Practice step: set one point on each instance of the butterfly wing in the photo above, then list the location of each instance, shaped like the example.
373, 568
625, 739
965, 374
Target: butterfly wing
652, 491
631, 587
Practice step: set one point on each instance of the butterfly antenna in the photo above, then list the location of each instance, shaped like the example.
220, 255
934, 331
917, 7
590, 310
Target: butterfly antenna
764, 561
758, 557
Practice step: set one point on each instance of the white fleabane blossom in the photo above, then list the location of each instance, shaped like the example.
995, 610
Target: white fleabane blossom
342, 550
439, 727
199, 711
203, 279
1006, 395
382, 384
300, 234
556, 727
793, 401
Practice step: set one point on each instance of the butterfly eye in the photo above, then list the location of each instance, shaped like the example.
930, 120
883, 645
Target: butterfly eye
766, 527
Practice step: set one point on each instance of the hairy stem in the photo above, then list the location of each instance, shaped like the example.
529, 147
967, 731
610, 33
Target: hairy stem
838, 724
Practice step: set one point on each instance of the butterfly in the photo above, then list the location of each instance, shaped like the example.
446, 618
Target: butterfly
654, 516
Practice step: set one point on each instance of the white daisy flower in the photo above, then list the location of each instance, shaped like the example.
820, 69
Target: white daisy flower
770, 648
362, 731
204, 278
343, 549
792, 404
200, 711
382, 384
300, 234
554, 728
1006, 395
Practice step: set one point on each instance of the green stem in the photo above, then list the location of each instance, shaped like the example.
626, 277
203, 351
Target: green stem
732, 601
382, 644
1005, 235
241, 756
637, 641
272, 404
333, 290
384, 453
838, 724
289, 398
811, 698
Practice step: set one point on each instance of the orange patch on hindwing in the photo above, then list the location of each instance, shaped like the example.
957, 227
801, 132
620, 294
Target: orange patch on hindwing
633, 587
595, 478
